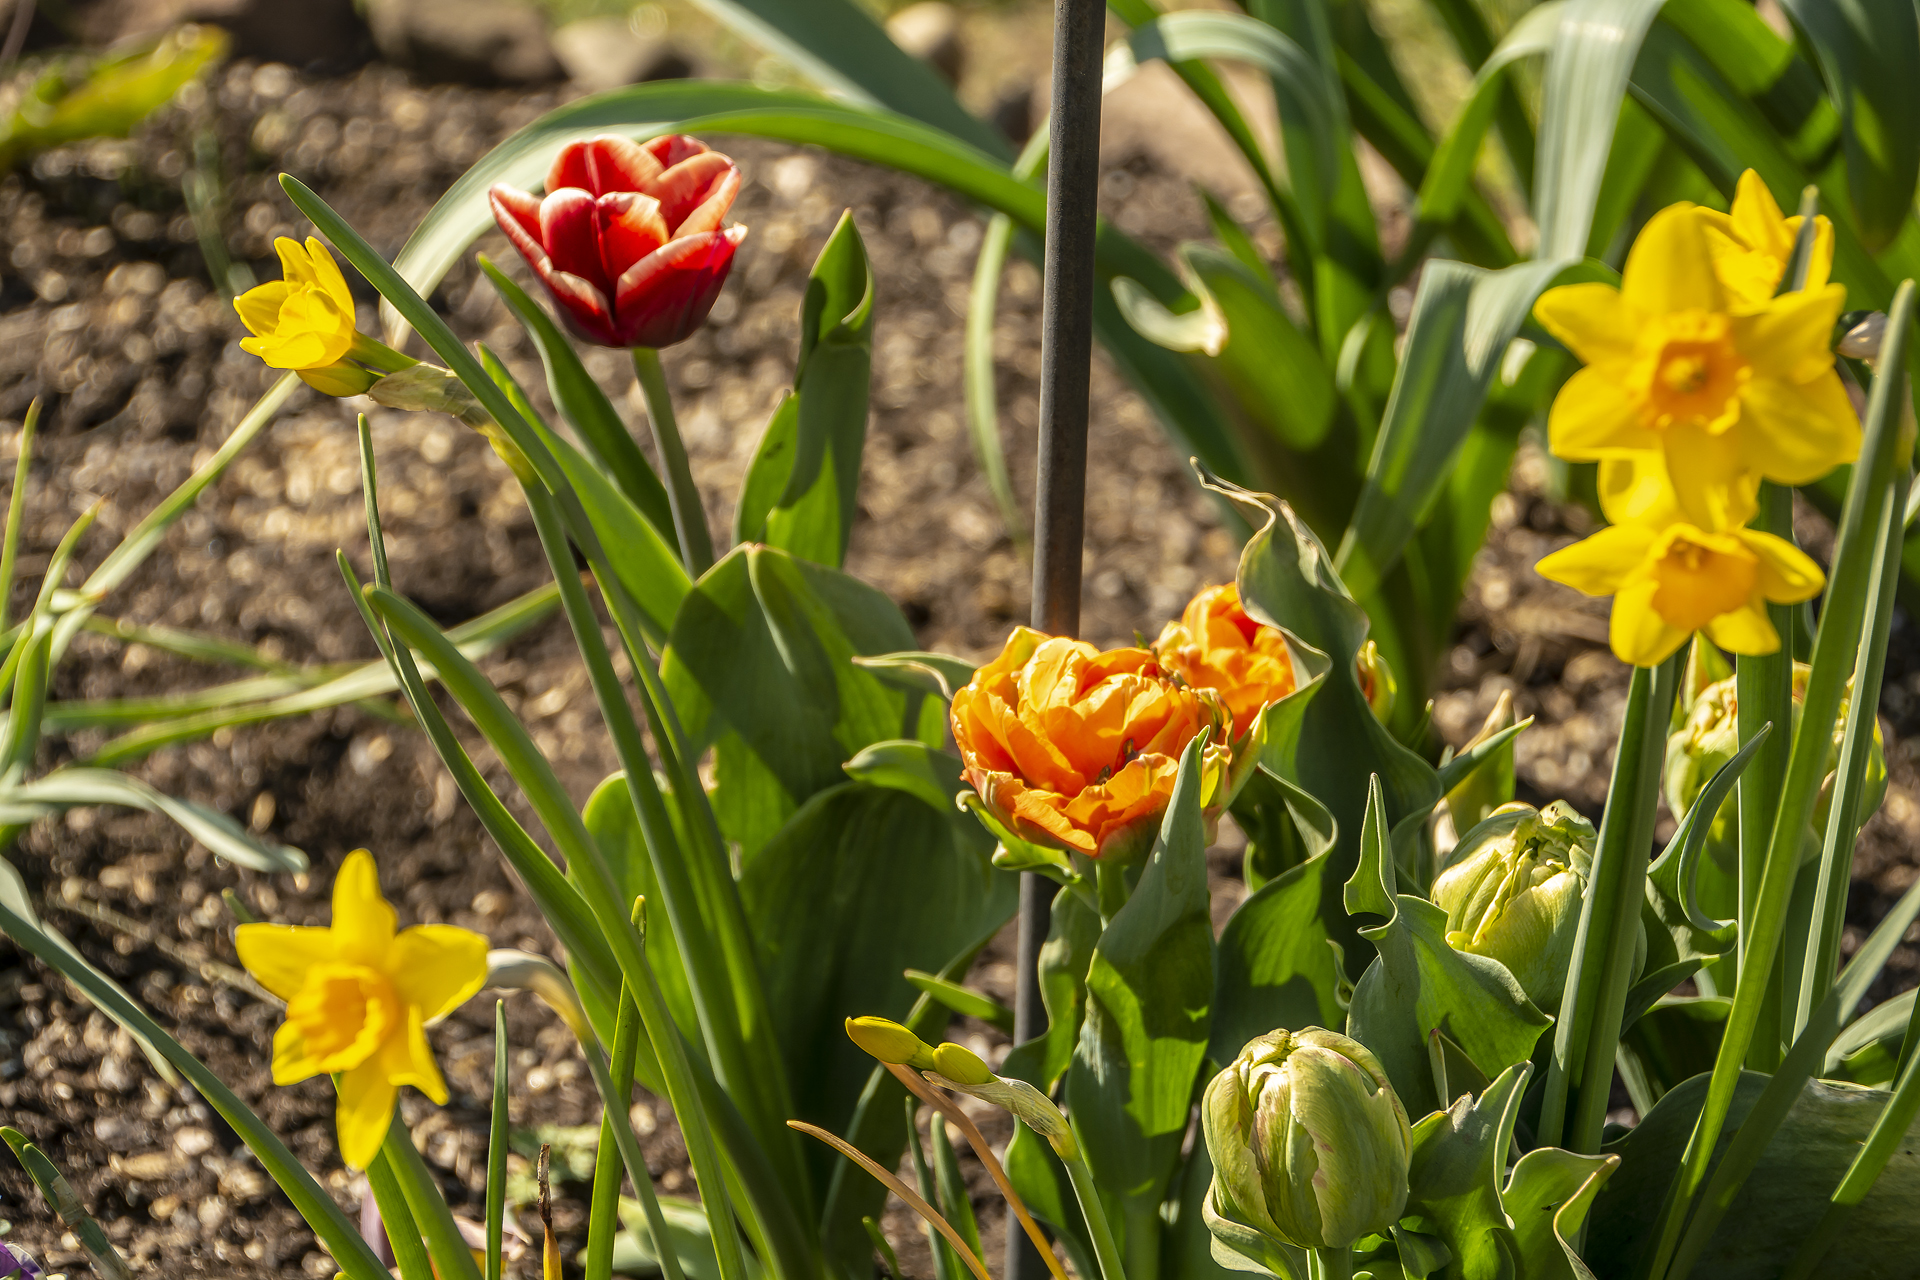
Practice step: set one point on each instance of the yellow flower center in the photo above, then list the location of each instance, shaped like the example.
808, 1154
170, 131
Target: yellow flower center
1688, 371
344, 1013
1700, 576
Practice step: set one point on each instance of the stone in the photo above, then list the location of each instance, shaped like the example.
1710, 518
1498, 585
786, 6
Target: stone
323, 35
930, 31
477, 42
605, 52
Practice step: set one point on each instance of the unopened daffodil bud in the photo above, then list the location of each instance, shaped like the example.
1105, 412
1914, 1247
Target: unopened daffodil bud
888, 1041
1310, 1145
961, 1070
961, 1064
1512, 892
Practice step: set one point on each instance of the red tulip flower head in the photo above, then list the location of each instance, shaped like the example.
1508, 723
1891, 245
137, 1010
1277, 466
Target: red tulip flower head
628, 237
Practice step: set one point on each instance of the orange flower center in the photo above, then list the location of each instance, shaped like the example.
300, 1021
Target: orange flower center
1700, 576
1688, 371
344, 1013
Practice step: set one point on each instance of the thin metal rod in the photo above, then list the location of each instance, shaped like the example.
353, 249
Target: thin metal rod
1066, 353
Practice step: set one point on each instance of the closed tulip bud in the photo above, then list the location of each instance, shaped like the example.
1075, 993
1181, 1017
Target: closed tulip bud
887, 1041
1512, 892
1310, 1145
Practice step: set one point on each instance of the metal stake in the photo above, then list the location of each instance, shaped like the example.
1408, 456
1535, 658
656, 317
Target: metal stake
1066, 352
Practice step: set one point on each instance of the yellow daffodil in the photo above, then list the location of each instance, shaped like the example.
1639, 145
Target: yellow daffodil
1725, 397
359, 998
304, 321
1670, 578
1751, 246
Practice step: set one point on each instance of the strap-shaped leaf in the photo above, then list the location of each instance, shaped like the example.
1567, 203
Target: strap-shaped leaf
226, 838
1673, 879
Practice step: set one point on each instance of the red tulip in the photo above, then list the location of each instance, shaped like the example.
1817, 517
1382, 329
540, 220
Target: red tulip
628, 237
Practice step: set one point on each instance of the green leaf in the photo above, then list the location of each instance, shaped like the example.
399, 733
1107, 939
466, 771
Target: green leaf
911, 766
1868, 50
1149, 992
62, 1198
767, 474
813, 516
1462, 322
1868, 1051
916, 671
74, 786
1673, 879
1454, 1181
1418, 984
963, 1000
862, 882
1588, 67
1275, 968
1547, 1197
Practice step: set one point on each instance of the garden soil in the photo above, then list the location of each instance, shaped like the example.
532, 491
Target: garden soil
109, 316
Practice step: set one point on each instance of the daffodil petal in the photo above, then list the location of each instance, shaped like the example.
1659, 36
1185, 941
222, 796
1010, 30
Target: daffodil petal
1788, 337
1637, 632
364, 1112
1636, 488
362, 920
259, 307
326, 275
1597, 566
1591, 319
1592, 419
1669, 267
1787, 574
279, 955
294, 267
407, 1058
1795, 434
1711, 477
437, 967
1757, 219
292, 1062
1745, 630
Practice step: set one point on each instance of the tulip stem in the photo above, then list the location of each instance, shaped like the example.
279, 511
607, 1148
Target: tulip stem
1333, 1264
1105, 1250
683, 497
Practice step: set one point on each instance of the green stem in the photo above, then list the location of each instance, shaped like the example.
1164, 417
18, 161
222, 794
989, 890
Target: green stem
1333, 1264
452, 1258
497, 1146
16, 509
683, 497
603, 1217
396, 1220
1105, 1250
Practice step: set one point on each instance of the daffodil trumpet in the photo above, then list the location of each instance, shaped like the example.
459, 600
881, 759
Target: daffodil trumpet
304, 322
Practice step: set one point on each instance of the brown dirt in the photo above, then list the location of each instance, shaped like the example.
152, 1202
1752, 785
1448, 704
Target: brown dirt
106, 311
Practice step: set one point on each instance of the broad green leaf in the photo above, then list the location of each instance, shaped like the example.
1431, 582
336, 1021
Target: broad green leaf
912, 766
1285, 827
767, 474
1149, 992
1677, 1039
1073, 930
1868, 50
1449, 178
813, 516
1454, 1183
1462, 322
1783, 1197
1188, 1245
1275, 968
862, 882
582, 402
1547, 1197
916, 671
688, 1237
1588, 67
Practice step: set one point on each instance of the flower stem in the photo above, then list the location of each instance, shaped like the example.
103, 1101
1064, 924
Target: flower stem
1104, 1247
689, 517
1333, 1264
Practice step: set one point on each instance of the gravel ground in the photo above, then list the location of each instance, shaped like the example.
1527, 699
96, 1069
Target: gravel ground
108, 313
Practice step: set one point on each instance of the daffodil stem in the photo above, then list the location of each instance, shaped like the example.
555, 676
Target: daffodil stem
1333, 1264
683, 496
603, 1217
1105, 1250
452, 1259
396, 1222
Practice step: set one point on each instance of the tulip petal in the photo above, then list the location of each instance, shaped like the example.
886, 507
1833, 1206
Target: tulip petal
686, 187
364, 1112
1638, 634
1591, 418
630, 228
665, 296
1591, 319
436, 967
570, 234
618, 164
712, 210
279, 955
518, 214
670, 149
585, 308
1796, 433
1669, 268
1789, 337
1596, 566
1745, 630
1787, 574
362, 920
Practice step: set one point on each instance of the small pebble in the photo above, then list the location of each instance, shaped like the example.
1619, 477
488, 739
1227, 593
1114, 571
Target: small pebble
193, 1141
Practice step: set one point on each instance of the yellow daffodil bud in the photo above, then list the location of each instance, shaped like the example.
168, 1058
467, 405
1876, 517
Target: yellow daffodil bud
961, 1064
1310, 1145
1512, 892
359, 998
888, 1041
304, 322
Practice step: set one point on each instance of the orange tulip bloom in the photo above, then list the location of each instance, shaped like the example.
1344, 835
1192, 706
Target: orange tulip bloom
1077, 749
1217, 646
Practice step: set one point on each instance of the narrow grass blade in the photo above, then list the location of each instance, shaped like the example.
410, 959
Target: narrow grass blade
340, 1237
16, 508
954, 1200
497, 1146
452, 1257
60, 1194
946, 1262
963, 1000
913, 1200
881, 1247
226, 838
619, 1153
396, 1222
193, 645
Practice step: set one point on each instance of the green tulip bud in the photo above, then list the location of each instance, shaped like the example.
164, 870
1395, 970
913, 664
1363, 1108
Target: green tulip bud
1512, 892
888, 1041
1310, 1145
